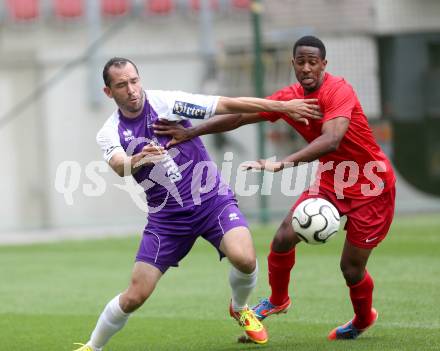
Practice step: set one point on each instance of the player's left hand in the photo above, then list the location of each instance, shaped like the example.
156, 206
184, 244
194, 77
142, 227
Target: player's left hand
268, 165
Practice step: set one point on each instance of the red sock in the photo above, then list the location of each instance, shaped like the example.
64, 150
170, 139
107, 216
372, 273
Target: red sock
361, 295
280, 264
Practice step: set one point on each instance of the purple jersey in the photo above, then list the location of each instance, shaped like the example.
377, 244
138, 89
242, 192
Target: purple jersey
186, 177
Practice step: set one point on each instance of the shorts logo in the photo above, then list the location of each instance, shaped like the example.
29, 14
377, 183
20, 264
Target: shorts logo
370, 240
188, 110
233, 216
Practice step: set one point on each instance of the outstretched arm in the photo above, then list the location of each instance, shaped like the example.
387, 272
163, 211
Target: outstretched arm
217, 124
297, 109
332, 133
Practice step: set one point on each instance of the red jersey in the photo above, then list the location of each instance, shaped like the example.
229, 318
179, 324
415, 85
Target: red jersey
358, 168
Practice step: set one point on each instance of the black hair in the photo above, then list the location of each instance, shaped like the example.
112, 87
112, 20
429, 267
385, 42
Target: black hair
310, 40
117, 62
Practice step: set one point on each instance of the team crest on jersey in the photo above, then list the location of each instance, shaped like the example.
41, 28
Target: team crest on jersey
128, 135
188, 110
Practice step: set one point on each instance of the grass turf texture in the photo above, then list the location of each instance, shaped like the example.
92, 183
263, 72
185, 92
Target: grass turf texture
51, 295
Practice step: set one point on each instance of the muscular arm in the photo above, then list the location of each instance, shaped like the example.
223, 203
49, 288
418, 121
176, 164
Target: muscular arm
298, 109
332, 133
227, 105
217, 124
120, 162
236, 112
225, 123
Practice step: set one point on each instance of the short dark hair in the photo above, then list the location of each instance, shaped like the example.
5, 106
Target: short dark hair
117, 62
310, 40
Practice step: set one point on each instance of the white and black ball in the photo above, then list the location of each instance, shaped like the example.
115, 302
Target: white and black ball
316, 221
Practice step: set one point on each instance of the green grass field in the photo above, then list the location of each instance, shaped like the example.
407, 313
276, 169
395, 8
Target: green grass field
51, 295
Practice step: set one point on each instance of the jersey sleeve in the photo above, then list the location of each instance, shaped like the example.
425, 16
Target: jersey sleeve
280, 95
108, 139
339, 102
178, 105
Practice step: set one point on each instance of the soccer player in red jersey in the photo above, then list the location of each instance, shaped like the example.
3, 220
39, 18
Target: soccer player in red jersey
353, 173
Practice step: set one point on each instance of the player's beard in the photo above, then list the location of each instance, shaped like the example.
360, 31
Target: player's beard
130, 107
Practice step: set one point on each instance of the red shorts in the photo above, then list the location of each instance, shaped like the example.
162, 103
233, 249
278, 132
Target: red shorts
368, 220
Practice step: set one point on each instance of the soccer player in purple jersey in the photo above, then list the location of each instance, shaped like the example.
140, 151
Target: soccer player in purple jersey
185, 194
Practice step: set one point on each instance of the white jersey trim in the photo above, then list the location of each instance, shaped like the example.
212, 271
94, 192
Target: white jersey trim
108, 137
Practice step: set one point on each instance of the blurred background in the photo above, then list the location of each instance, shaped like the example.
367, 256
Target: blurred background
52, 104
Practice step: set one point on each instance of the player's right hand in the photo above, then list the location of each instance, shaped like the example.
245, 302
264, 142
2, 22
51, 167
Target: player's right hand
263, 165
302, 109
151, 153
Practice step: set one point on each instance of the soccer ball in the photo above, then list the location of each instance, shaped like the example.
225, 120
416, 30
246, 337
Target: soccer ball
315, 221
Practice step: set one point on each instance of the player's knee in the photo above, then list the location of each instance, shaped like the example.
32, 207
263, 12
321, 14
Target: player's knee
284, 239
245, 263
135, 296
132, 300
352, 274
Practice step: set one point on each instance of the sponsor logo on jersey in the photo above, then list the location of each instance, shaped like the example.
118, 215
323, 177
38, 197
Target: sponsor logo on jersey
188, 110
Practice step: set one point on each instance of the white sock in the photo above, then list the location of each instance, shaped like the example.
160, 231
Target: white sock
242, 285
111, 320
